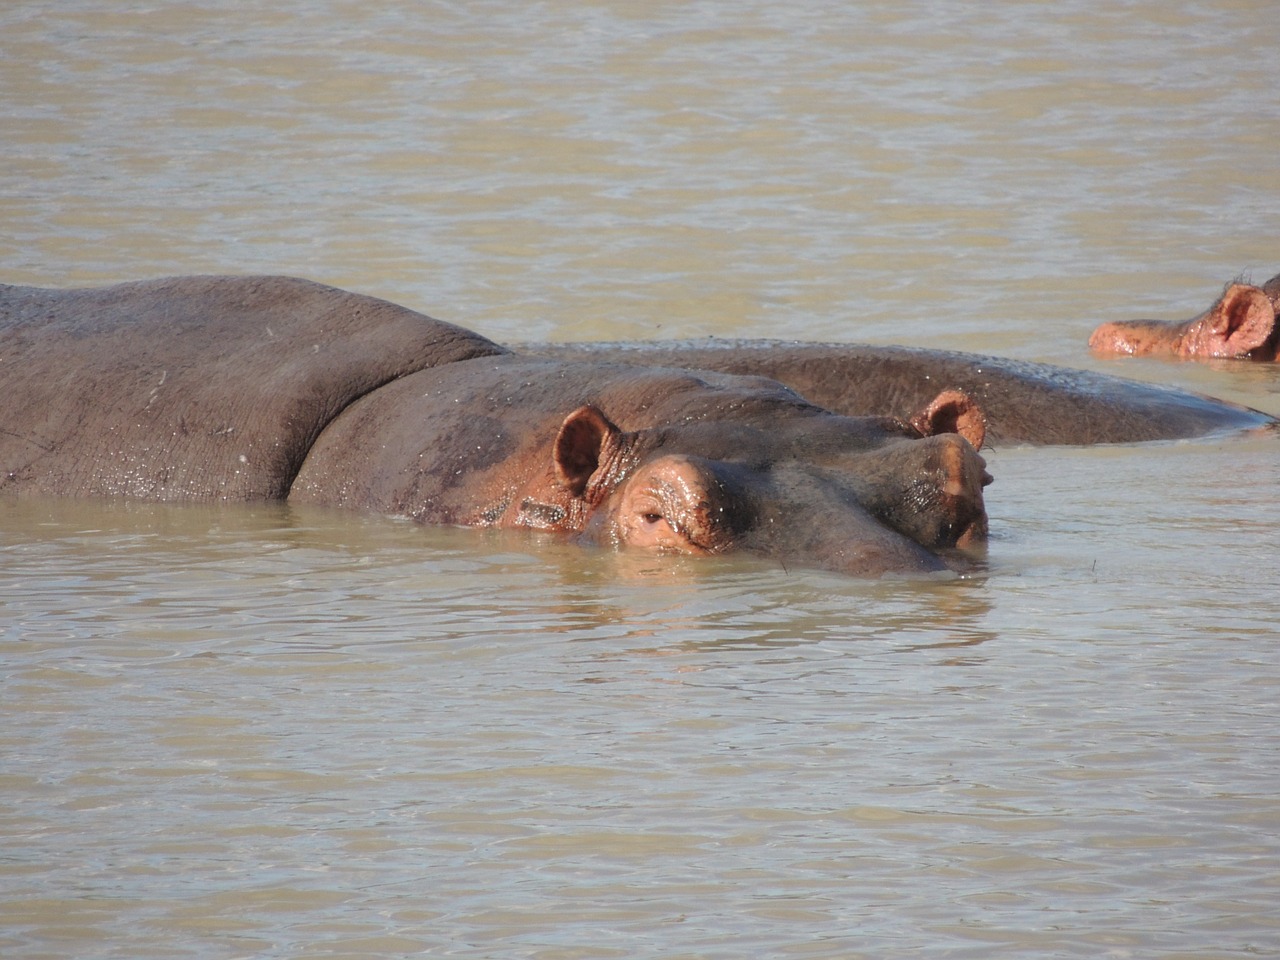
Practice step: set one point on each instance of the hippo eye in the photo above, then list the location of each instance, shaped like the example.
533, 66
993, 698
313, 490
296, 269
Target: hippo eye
651, 517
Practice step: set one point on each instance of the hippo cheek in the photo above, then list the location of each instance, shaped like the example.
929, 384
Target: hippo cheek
928, 490
834, 534
802, 516
803, 528
791, 514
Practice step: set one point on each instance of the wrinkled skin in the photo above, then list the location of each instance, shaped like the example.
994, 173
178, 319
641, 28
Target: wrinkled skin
200, 389
703, 464
196, 388
1241, 324
261, 388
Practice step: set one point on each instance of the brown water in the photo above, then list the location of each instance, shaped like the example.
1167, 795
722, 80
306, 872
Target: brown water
268, 732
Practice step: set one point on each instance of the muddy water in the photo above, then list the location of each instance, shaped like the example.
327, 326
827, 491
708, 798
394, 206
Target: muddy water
265, 732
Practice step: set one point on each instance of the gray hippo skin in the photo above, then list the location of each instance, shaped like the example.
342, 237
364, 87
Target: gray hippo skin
195, 388
207, 388
1023, 402
268, 388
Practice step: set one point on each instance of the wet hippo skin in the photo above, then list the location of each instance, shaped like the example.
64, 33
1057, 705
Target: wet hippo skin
1024, 402
1242, 324
262, 388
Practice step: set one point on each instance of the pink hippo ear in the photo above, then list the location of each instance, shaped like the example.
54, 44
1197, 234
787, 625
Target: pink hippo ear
1242, 320
952, 411
586, 441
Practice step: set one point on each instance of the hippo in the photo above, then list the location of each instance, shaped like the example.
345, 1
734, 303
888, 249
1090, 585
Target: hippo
1242, 323
270, 388
274, 388
1025, 403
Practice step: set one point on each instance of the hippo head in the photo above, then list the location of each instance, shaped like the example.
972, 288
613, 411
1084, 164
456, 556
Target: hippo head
865, 496
1242, 323
681, 461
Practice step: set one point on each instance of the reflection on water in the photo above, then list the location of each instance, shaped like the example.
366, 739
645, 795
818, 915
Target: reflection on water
268, 732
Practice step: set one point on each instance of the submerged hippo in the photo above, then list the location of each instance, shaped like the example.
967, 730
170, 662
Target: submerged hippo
1242, 323
210, 388
261, 388
1023, 402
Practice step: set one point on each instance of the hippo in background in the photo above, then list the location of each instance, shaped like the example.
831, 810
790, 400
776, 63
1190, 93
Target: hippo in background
1242, 323
272, 388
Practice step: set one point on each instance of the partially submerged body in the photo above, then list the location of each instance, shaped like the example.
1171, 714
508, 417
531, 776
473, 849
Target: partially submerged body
1023, 402
653, 457
208, 388
257, 388
1243, 323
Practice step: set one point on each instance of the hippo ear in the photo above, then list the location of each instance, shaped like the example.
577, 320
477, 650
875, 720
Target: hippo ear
1241, 321
587, 438
952, 411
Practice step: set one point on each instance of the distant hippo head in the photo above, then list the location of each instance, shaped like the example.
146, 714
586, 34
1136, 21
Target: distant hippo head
709, 464
1242, 323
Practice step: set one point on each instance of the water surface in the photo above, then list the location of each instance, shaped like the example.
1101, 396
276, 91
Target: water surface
271, 732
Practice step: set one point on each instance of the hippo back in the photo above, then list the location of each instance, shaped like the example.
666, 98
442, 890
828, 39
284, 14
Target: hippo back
1024, 402
194, 388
